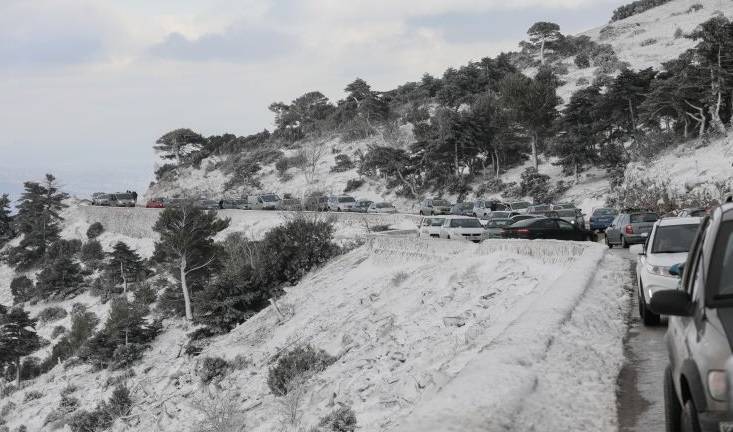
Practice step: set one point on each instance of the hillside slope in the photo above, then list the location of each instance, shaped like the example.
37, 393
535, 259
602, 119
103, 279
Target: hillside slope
424, 332
644, 40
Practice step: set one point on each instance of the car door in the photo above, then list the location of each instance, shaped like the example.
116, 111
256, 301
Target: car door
613, 232
542, 229
566, 231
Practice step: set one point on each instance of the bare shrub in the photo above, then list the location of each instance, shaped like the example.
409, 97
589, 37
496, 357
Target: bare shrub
221, 413
296, 364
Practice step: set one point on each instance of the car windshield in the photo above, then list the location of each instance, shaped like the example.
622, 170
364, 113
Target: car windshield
604, 212
270, 198
674, 238
346, 199
499, 215
494, 223
541, 208
643, 217
441, 203
363, 203
566, 213
524, 222
465, 223
721, 263
520, 205
123, 196
436, 221
384, 205
467, 206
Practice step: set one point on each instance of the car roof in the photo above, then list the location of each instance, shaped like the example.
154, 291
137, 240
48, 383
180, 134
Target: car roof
679, 221
459, 217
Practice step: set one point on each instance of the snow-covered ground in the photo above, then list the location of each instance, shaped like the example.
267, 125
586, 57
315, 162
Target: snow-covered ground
430, 335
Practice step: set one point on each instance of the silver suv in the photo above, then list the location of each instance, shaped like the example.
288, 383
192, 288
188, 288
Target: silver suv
700, 332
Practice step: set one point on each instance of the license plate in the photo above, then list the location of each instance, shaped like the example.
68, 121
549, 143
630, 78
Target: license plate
726, 427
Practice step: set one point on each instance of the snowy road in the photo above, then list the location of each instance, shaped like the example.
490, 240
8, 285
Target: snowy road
641, 402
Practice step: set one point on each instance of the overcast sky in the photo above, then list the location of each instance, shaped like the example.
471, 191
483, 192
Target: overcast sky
87, 86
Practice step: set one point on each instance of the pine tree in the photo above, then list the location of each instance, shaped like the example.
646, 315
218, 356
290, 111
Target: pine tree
38, 218
125, 265
18, 338
6, 227
178, 143
541, 33
187, 243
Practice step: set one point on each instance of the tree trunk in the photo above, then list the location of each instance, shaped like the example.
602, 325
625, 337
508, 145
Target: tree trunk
533, 143
124, 279
542, 52
631, 115
184, 287
498, 171
17, 372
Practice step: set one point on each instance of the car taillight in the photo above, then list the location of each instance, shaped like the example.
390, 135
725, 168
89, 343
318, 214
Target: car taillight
522, 230
629, 229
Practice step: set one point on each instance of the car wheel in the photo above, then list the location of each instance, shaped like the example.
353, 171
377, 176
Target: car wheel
672, 408
608, 243
689, 421
421, 213
623, 242
648, 317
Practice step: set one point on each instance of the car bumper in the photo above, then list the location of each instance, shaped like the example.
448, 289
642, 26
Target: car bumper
635, 238
716, 421
599, 226
653, 283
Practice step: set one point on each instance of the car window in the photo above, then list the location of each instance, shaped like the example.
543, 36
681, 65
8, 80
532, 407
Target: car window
604, 212
674, 238
465, 223
496, 223
567, 213
544, 223
565, 225
520, 205
441, 203
346, 199
643, 217
721, 262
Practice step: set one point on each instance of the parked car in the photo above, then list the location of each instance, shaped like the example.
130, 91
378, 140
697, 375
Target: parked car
361, 206
601, 218
105, 200
572, 215
692, 212
155, 203
434, 206
463, 228
547, 228
381, 207
539, 209
207, 204
668, 244
495, 226
237, 204
630, 228
315, 202
521, 217
520, 207
698, 339
268, 201
430, 226
341, 203
96, 196
484, 208
462, 209
123, 199
291, 204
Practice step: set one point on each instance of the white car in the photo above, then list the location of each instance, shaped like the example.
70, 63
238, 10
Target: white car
381, 207
462, 228
667, 244
341, 203
430, 226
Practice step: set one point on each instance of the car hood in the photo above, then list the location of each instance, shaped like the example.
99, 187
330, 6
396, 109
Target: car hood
666, 259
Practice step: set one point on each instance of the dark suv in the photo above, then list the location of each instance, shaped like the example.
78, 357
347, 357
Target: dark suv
700, 332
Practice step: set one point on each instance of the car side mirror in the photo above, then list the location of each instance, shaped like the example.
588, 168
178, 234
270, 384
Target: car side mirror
671, 302
676, 270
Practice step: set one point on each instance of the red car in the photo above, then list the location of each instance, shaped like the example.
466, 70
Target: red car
155, 203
